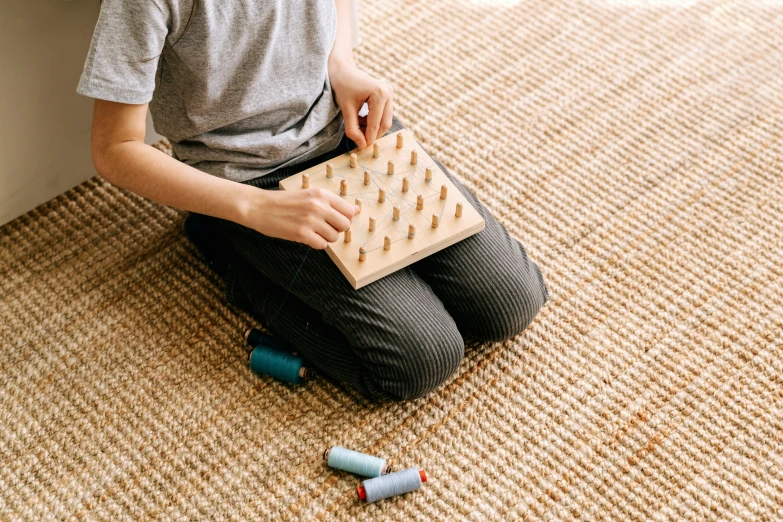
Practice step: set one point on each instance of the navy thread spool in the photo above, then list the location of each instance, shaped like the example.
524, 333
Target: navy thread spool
355, 462
255, 337
273, 358
392, 484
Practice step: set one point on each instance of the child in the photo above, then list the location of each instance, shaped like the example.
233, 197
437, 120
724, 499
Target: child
251, 92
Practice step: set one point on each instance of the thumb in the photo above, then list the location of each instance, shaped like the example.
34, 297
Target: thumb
352, 130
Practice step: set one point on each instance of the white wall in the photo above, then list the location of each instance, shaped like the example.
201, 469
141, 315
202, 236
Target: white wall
44, 124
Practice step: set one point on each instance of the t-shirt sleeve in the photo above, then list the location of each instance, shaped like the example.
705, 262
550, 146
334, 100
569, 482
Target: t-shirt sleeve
126, 45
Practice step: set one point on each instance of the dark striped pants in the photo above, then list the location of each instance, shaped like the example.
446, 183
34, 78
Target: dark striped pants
401, 336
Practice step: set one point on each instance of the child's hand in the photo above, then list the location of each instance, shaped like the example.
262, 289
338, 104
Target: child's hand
352, 88
313, 216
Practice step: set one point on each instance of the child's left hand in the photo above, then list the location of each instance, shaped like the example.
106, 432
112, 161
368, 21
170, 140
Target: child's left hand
352, 88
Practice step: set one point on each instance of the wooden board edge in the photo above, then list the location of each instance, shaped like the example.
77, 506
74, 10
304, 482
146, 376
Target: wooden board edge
337, 261
418, 256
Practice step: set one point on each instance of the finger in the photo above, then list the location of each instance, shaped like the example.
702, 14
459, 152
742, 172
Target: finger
376, 103
326, 231
342, 206
352, 130
337, 220
315, 241
388, 116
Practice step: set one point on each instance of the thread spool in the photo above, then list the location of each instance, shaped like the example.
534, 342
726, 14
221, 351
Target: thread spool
381, 195
428, 174
347, 236
376, 150
390, 168
458, 212
254, 337
387, 243
435, 221
443, 191
405, 184
362, 253
344, 188
411, 231
420, 202
353, 160
360, 463
279, 365
372, 224
358, 203
392, 484
329, 170
396, 213
305, 181
414, 157
366, 177
399, 141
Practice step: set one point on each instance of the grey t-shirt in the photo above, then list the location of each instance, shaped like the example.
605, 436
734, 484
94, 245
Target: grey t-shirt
242, 91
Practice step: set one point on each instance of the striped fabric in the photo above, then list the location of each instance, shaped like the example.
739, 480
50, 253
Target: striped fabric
399, 337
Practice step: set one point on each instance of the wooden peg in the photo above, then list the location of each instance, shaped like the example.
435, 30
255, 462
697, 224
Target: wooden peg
405, 184
362, 253
305, 181
420, 202
329, 170
458, 213
396, 213
376, 150
353, 160
411, 231
347, 236
358, 203
381, 195
344, 188
443, 191
366, 177
390, 169
399, 141
434, 221
387, 243
428, 174
372, 224
414, 157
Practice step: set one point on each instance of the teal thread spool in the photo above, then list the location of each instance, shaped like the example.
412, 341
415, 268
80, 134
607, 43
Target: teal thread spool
355, 462
279, 365
273, 357
392, 484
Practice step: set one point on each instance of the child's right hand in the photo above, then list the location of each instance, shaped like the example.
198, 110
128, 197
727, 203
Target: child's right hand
313, 216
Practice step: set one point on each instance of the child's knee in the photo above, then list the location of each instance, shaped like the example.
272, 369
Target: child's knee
432, 358
521, 295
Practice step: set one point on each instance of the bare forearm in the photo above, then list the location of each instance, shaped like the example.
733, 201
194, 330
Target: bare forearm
314, 217
341, 56
146, 171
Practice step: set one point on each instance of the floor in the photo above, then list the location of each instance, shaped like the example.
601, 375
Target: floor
634, 147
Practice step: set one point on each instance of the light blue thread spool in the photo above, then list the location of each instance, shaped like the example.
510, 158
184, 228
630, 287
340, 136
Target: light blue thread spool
278, 364
355, 462
392, 484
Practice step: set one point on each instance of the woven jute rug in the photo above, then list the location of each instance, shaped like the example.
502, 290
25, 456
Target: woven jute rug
634, 146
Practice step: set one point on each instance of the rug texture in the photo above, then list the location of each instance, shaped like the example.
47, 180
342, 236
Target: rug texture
635, 148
